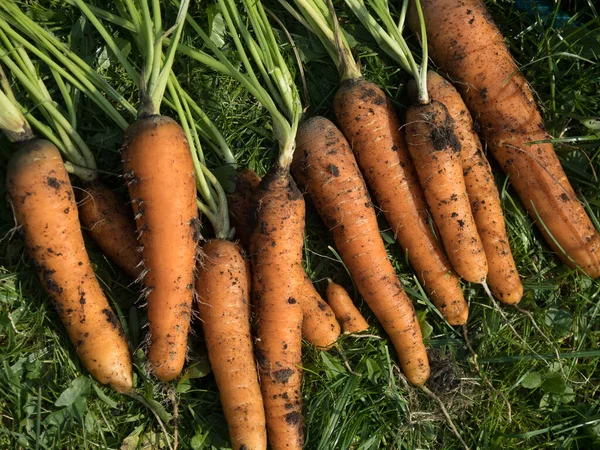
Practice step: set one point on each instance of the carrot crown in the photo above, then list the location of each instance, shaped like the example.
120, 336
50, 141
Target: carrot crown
390, 39
318, 16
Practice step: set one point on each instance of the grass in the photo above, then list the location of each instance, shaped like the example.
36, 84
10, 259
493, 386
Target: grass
533, 385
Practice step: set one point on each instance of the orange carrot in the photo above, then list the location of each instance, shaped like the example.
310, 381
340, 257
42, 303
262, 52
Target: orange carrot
223, 287
45, 210
325, 166
346, 313
110, 223
240, 204
372, 126
503, 278
275, 249
319, 326
160, 178
435, 150
465, 43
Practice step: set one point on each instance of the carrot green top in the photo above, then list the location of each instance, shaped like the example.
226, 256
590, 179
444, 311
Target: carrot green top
55, 126
390, 39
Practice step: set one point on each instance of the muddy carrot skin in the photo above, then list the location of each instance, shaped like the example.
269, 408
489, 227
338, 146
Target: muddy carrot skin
45, 210
276, 250
346, 313
326, 168
465, 43
503, 278
435, 150
223, 288
110, 224
319, 325
374, 130
160, 178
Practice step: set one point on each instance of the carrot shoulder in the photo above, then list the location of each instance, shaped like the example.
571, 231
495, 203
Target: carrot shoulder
223, 288
160, 178
372, 127
325, 166
276, 252
503, 278
464, 41
46, 212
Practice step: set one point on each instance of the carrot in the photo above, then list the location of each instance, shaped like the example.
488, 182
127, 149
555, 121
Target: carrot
325, 166
346, 313
435, 150
465, 43
319, 325
223, 288
110, 223
240, 201
159, 172
275, 247
44, 206
503, 278
374, 130
160, 179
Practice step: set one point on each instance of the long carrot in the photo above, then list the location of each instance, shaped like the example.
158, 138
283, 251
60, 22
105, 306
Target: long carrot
159, 172
374, 130
503, 278
325, 166
223, 287
45, 211
465, 43
44, 205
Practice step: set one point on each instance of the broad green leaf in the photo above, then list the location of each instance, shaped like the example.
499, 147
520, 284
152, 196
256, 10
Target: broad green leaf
80, 388
532, 380
554, 383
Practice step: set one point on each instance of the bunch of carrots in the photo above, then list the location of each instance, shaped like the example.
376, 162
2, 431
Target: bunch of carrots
254, 299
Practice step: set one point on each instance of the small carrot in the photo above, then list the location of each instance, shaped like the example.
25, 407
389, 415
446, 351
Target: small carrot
110, 223
346, 313
503, 278
325, 166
